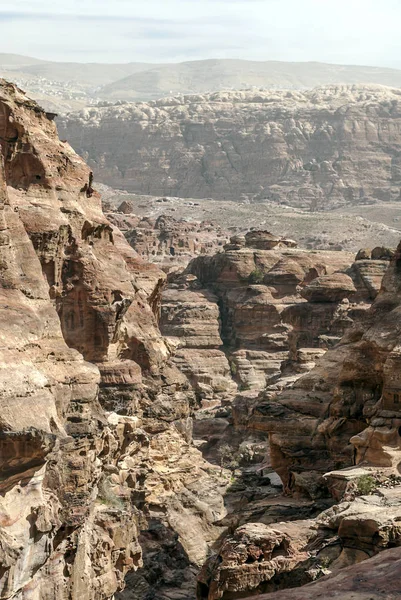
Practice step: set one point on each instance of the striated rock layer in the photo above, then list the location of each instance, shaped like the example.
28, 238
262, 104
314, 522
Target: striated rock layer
353, 385
256, 317
317, 149
335, 430
95, 425
100, 480
167, 242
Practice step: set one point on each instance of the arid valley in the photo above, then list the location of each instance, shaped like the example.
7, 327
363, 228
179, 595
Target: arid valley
200, 308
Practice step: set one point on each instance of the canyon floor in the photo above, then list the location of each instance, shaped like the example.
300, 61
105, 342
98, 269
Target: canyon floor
348, 228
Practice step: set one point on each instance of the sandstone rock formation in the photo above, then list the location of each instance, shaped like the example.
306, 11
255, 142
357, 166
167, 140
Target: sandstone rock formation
376, 579
281, 306
101, 481
263, 559
353, 385
166, 241
240, 322
58, 540
344, 412
319, 149
95, 426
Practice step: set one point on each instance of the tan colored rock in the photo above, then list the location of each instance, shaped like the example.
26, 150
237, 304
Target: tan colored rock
347, 409
307, 149
249, 559
265, 320
89, 450
258, 558
329, 288
374, 579
49, 424
126, 207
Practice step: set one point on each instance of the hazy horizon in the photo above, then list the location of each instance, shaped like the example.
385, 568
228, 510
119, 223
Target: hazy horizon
176, 62
351, 32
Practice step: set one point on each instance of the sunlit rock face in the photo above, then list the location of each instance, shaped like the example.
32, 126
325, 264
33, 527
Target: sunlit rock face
316, 149
101, 484
252, 320
57, 539
347, 409
336, 431
280, 307
95, 425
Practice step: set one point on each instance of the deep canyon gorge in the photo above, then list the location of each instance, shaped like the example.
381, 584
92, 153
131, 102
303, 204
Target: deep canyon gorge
191, 409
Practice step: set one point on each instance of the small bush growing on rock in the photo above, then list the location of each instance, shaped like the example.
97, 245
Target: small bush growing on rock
226, 455
366, 484
228, 458
233, 368
256, 276
324, 562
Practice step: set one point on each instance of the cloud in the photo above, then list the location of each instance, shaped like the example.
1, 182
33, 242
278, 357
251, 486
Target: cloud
347, 31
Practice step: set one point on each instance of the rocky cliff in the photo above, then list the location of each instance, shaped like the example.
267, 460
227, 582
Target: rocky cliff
318, 149
95, 426
334, 431
353, 385
256, 317
102, 485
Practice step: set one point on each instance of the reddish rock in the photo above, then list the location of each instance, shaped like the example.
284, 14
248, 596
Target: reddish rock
95, 425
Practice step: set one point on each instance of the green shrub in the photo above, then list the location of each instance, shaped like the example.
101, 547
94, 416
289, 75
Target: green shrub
366, 484
256, 276
226, 455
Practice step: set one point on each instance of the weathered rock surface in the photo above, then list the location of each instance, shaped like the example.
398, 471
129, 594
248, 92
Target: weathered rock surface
238, 321
58, 540
100, 477
374, 579
262, 558
282, 308
344, 412
166, 241
95, 426
319, 149
353, 386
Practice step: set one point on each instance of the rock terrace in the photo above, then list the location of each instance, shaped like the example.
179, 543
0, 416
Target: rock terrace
320, 149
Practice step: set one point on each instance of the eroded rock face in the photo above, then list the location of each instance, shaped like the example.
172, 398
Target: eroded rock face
316, 149
99, 472
259, 558
95, 426
353, 386
344, 412
251, 319
376, 579
53, 531
280, 309
168, 242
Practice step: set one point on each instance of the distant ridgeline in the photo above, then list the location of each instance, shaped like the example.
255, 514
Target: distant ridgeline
315, 150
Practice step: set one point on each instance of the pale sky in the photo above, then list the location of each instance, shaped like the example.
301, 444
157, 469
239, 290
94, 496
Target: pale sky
337, 31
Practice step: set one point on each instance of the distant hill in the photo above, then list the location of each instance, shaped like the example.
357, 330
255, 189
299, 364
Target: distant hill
10, 61
213, 75
68, 86
88, 74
